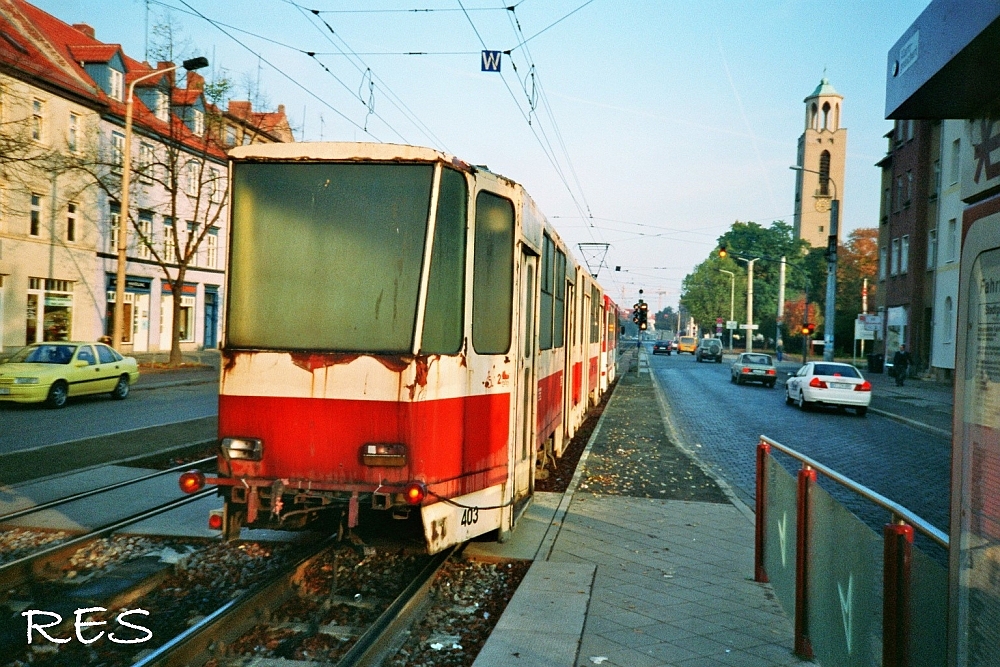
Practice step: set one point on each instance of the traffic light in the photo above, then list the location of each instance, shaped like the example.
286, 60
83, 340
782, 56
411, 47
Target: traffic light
805, 329
643, 310
722, 251
635, 313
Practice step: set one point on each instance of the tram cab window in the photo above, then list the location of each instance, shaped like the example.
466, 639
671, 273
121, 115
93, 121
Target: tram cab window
493, 274
442, 332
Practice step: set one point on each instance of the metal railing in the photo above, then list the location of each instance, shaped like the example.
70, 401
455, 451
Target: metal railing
833, 550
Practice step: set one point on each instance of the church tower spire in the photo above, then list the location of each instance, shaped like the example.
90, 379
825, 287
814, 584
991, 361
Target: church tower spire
821, 154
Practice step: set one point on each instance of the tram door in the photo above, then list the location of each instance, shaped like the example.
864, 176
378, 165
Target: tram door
524, 438
570, 340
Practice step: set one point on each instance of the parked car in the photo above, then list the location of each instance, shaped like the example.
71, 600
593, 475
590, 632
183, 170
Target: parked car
662, 347
753, 367
709, 349
687, 344
829, 383
53, 372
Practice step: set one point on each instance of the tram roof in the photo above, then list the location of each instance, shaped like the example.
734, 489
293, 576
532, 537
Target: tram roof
343, 150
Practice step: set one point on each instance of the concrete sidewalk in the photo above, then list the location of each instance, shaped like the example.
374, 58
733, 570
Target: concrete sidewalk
630, 581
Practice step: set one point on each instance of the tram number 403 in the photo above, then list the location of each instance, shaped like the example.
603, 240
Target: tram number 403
470, 515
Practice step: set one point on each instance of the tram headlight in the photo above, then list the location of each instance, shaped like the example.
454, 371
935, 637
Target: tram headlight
243, 449
389, 454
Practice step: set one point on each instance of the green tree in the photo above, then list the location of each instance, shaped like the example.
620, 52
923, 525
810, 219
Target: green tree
706, 291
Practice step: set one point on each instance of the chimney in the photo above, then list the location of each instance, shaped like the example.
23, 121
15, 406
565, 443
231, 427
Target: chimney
85, 29
195, 81
281, 109
164, 64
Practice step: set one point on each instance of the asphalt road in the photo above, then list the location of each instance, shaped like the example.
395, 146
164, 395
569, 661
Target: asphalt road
157, 399
722, 423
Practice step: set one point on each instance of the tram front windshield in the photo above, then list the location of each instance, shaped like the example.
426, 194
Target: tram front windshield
327, 256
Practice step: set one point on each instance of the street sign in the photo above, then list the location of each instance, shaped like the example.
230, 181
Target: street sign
871, 322
731, 324
861, 332
749, 326
491, 61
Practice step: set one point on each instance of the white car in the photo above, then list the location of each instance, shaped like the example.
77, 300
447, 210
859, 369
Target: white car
829, 383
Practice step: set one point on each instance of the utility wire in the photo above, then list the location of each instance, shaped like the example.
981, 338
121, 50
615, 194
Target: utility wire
551, 25
277, 69
354, 58
527, 118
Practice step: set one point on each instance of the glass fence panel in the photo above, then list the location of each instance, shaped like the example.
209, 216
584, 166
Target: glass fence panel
928, 611
845, 585
779, 533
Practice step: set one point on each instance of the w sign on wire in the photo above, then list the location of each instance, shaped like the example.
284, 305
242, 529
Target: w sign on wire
491, 61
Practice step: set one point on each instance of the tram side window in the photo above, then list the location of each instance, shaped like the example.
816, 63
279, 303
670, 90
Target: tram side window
559, 322
446, 285
493, 274
545, 305
595, 315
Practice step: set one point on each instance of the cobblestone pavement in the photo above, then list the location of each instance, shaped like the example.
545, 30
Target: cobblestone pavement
722, 422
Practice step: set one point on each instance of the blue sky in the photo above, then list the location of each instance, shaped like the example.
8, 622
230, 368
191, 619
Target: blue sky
654, 125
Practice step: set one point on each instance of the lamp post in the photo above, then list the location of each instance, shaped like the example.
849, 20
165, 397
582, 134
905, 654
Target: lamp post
749, 324
732, 300
831, 267
119, 321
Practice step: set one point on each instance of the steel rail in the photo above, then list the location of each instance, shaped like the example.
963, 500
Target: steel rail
19, 571
897, 510
111, 487
379, 640
193, 646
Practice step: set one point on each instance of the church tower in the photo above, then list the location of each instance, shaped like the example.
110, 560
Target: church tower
822, 148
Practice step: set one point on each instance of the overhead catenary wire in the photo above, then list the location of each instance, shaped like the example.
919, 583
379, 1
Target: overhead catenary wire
359, 64
277, 69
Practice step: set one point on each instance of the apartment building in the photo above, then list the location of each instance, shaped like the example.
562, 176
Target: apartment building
65, 90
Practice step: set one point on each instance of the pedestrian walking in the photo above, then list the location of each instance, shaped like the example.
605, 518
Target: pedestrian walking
900, 364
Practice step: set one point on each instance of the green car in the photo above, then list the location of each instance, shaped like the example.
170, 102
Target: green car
753, 367
53, 372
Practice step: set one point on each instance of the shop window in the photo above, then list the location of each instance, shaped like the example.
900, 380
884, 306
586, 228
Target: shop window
186, 319
49, 310
128, 321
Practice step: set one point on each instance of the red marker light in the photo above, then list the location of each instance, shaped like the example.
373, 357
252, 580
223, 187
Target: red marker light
745, 370
191, 481
215, 521
864, 386
816, 383
414, 493
771, 371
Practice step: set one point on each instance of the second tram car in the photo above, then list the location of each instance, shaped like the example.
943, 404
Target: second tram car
404, 332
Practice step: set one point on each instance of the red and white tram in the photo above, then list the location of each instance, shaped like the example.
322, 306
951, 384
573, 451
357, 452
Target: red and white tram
403, 332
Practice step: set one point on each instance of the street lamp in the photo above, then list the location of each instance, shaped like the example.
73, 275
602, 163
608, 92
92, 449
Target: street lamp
119, 321
831, 267
749, 324
732, 299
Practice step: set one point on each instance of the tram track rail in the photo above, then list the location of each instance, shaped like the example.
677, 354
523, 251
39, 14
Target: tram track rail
10, 516
27, 568
210, 638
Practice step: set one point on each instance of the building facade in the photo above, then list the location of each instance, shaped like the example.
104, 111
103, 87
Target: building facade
60, 215
908, 212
